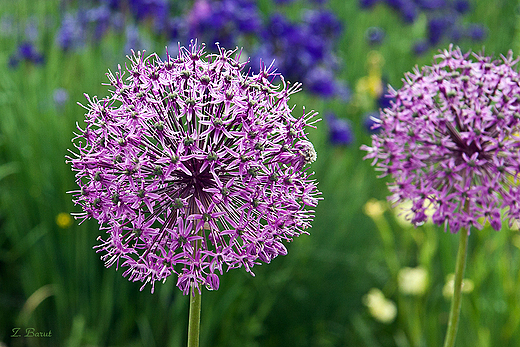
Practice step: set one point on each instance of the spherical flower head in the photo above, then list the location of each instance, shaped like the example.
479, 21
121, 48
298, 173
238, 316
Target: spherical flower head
450, 141
193, 167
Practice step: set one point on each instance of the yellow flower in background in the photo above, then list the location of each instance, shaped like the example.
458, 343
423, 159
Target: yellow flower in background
64, 220
381, 308
371, 85
449, 287
413, 281
374, 208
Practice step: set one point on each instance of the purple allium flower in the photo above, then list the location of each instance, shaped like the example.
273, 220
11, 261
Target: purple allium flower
192, 167
340, 131
450, 141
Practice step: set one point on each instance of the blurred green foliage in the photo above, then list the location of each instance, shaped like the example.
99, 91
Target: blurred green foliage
52, 280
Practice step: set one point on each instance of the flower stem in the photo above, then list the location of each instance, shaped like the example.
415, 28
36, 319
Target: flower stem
195, 303
194, 318
453, 322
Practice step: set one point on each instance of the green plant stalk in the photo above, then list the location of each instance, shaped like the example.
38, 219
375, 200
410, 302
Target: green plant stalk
456, 301
194, 318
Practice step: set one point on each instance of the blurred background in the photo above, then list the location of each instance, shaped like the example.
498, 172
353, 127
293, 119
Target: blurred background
363, 277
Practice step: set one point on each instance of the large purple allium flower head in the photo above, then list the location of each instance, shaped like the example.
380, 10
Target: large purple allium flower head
193, 167
450, 141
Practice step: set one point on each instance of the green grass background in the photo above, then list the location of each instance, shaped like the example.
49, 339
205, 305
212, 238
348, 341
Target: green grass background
312, 296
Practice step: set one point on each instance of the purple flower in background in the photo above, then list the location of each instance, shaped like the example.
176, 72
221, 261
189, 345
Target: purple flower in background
340, 131
450, 141
192, 168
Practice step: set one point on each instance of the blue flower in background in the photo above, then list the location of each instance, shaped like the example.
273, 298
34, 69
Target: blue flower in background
461, 6
99, 18
156, 9
340, 130
385, 99
7, 27
420, 47
367, 3
431, 4
321, 81
60, 97
374, 35
134, 40
476, 32
323, 23
444, 20
25, 52
71, 33
438, 27
303, 49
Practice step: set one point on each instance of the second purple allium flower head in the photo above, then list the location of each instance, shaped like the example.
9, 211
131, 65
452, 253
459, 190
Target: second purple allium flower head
451, 142
193, 167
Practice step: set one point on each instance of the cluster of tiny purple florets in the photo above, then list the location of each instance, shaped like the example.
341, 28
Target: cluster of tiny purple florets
451, 142
193, 167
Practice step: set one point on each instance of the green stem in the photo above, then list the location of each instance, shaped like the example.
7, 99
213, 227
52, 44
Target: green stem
453, 322
194, 318
195, 304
